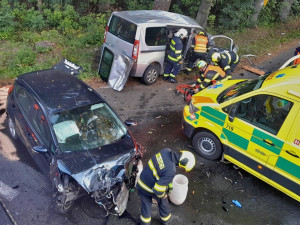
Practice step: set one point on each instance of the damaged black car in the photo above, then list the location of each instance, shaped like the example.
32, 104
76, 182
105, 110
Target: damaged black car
75, 138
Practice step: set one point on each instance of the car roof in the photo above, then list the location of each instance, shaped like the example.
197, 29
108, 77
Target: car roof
59, 91
158, 17
285, 82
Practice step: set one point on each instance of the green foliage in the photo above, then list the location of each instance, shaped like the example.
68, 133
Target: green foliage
269, 14
7, 24
34, 20
235, 14
295, 9
186, 7
25, 57
138, 4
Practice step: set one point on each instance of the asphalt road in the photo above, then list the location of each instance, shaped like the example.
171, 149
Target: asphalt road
158, 111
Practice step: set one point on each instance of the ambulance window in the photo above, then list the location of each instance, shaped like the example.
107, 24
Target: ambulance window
264, 111
156, 36
248, 108
272, 114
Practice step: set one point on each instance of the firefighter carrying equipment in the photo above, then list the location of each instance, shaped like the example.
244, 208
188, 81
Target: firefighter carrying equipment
154, 183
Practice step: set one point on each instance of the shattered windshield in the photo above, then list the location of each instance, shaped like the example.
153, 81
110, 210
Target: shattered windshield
87, 127
241, 88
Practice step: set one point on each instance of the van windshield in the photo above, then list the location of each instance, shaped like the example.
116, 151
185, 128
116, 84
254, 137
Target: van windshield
241, 88
122, 29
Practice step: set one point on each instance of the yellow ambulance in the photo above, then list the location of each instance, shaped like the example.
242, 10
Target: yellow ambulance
254, 124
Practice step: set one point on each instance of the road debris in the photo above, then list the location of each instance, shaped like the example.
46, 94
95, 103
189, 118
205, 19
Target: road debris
237, 203
239, 172
228, 179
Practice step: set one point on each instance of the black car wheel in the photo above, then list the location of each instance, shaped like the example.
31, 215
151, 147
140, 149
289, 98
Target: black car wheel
151, 74
12, 128
61, 205
207, 145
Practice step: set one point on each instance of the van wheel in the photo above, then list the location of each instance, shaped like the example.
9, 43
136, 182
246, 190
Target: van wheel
151, 74
207, 145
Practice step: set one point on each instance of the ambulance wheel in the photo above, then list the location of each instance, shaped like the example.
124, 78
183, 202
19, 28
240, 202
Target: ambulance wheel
207, 145
151, 74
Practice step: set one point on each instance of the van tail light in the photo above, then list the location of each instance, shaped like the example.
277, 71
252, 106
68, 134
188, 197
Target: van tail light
11, 88
135, 51
106, 29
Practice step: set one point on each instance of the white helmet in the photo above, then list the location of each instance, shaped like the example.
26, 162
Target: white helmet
187, 160
215, 57
182, 33
201, 64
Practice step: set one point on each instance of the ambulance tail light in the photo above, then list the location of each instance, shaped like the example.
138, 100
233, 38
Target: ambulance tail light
135, 51
106, 30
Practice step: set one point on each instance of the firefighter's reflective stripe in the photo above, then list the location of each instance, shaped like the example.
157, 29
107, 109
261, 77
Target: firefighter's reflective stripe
237, 58
145, 220
174, 59
166, 218
166, 75
160, 161
160, 188
200, 44
229, 57
144, 186
172, 75
176, 51
150, 163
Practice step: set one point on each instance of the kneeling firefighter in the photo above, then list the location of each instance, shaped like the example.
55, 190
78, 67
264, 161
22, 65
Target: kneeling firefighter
209, 74
156, 182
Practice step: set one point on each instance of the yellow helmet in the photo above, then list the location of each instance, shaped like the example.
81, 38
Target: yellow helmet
201, 33
201, 64
187, 160
215, 57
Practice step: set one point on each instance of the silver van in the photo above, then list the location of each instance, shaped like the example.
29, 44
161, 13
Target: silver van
136, 42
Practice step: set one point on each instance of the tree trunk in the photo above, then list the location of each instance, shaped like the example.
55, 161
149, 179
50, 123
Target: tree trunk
39, 5
162, 5
203, 12
258, 5
285, 10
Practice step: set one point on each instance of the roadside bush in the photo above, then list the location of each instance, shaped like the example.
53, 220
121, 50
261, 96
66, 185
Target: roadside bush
34, 20
7, 24
94, 29
236, 15
26, 56
53, 17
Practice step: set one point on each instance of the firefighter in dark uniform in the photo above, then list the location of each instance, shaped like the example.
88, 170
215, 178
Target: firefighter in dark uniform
199, 50
228, 61
156, 181
174, 59
209, 74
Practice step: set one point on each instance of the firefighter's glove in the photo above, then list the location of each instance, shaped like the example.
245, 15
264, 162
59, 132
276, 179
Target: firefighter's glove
196, 90
170, 188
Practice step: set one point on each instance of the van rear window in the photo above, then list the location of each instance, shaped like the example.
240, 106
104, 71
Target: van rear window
156, 36
122, 29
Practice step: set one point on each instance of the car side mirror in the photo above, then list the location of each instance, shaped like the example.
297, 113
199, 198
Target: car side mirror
39, 149
130, 123
232, 112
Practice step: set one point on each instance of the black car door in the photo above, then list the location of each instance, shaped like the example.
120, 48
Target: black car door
33, 127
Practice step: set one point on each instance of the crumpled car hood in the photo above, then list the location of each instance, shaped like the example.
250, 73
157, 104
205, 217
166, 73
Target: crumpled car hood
79, 161
98, 168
